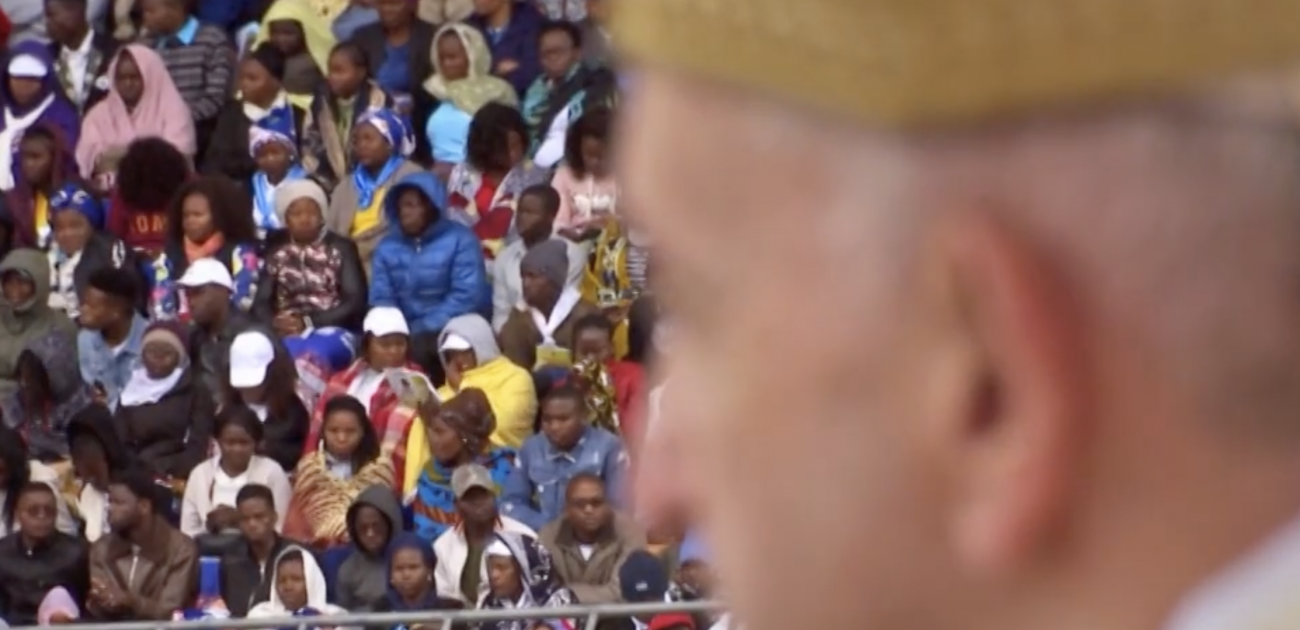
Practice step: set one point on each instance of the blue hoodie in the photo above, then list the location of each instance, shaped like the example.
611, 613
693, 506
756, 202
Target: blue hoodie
433, 277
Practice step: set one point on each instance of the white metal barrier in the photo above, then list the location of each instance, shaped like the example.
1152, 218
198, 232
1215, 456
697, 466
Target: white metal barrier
591, 616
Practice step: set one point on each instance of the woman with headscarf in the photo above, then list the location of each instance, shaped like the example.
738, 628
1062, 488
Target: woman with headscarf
382, 142
411, 588
298, 588
458, 433
261, 102
276, 154
45, 166
518, 573
142, 102
30, 93
347, 93
165, 413
303, 36
483, 190
80, 247
463, 83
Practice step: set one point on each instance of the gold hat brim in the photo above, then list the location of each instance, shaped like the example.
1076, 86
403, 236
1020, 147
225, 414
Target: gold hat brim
944, 62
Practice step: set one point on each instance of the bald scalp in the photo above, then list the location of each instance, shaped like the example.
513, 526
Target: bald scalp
1176, 225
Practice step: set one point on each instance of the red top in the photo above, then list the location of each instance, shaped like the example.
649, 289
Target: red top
139, 229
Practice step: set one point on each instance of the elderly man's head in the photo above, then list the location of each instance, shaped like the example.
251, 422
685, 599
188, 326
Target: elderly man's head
1054, 373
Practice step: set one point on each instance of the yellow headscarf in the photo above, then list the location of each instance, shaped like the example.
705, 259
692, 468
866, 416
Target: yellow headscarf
315, 28
479, 87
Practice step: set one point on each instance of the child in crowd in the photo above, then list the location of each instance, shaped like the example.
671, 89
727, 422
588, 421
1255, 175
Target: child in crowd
276, 154
262, 376
520, 574
80, 248
210, 493
165, 413
411, 588
300, 589
327, 481
45, 167
373, 520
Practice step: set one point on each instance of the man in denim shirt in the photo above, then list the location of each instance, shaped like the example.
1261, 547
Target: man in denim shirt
568, 445
108, 345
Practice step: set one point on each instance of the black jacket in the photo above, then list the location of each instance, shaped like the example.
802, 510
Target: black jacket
170, 436
105, 250
353, 290
227, 153
26, 577
97, 77
372, 39
246, 583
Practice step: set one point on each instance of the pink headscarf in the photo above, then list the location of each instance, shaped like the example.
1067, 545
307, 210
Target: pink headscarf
161, 112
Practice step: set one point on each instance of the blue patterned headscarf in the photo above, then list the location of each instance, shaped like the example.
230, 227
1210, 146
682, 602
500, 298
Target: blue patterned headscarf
73, 197
394, 128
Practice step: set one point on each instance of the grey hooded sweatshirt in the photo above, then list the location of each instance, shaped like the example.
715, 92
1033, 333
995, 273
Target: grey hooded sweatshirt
20, 324
363, 578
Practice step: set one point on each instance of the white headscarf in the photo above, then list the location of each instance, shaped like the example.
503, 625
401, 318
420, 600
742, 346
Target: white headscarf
317, 596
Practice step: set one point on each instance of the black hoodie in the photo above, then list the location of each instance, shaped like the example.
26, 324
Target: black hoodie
363, 577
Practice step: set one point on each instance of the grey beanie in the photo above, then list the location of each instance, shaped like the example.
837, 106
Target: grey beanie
550, 259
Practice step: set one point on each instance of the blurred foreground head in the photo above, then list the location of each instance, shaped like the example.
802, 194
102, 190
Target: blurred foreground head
1003, 337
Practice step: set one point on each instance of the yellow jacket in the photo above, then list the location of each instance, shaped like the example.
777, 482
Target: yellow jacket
509, 389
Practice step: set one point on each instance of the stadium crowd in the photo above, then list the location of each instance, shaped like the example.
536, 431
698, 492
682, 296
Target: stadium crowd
313, 306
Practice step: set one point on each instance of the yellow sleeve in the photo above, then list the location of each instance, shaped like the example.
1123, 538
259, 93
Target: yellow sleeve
515, 402
417, 455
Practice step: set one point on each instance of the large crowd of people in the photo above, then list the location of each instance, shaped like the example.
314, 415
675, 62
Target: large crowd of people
323, 306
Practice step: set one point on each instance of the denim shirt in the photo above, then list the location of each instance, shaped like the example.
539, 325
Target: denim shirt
534, 491
100, 365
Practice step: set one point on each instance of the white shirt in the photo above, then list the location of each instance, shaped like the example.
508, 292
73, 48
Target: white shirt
78, 61
225, 488
1257, 592
508, 286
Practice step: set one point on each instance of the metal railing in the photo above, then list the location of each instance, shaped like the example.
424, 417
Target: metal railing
591, 616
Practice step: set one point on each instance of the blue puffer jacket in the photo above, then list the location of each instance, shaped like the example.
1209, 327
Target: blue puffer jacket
432, 278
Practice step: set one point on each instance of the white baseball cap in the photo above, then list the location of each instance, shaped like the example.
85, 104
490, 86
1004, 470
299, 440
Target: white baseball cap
385, 320
205, 271
453, 342
27, 67
251, 354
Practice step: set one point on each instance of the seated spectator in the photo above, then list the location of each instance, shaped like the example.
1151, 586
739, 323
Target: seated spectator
347, 93
542, 335
208, 287
45, 166
82, 55
483, 189
398, 48
312, 278
303, 36
385, 345
208, 506
142, 103
597, 42
97, 456
151, 172
616, 390
163, 561
535, 224
49, 393
81, 250
373, 520
197, 57
31, 95
520, 575
327, 481
245, 580
642, 580
588, 192
512, 27
457, 435
411, 588
566, 89
39, 558
260, 102
472, 360
262, 376
463, 83
112, 336
208, 218
16, 472
590, 541
300, 589
25, 313
275, 153
460, 548
381, 143
568, 445
430, 268
165, 414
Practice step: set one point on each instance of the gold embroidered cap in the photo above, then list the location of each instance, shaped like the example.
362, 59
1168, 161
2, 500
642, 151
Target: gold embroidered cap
928, 62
